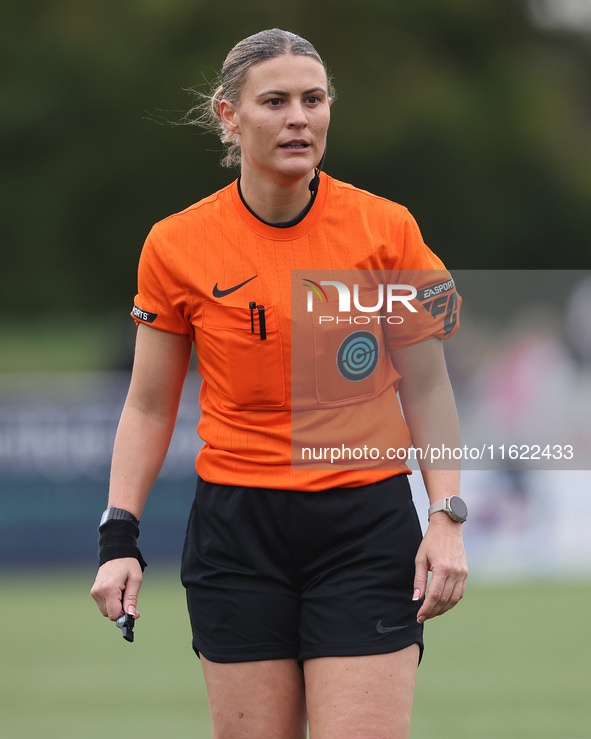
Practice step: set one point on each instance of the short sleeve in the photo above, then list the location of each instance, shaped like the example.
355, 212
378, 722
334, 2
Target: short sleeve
424, 302
161, 301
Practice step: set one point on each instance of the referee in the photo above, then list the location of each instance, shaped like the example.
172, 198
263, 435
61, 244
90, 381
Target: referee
306, 584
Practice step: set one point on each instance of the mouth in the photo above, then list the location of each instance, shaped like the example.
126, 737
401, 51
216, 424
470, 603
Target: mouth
296, 144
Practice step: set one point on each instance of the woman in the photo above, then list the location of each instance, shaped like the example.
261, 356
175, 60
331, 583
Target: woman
305, 584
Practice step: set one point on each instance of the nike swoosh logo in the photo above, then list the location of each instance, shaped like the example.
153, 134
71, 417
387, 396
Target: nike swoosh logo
217, 293
387, 629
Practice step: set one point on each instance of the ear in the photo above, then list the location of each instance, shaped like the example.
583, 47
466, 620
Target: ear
229, 116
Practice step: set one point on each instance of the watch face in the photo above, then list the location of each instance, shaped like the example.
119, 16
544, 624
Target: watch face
458, 507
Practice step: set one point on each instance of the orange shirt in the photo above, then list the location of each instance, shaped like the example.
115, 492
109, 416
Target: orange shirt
202, 268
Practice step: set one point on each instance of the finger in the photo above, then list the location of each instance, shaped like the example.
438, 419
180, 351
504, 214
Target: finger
100, 594
445, 592
130, 595
99, 599
456, 595
114, 603
421, 578
457, 579
442, 603
108, 601
435, 599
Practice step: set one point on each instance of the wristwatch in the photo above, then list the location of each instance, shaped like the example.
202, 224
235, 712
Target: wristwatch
455, 508
118, 514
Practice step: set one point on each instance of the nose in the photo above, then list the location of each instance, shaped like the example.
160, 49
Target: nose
296, 117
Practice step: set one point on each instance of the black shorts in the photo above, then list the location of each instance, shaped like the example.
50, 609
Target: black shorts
274, 574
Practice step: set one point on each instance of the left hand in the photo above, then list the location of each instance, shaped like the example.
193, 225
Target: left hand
442, 553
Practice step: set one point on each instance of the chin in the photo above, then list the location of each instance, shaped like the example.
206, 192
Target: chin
297, 170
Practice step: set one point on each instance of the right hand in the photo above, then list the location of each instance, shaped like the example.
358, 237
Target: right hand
116, 587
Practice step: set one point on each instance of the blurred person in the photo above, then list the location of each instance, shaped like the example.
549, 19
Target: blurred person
578, 326
306, 588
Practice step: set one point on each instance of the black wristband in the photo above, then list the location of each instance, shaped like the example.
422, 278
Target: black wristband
118, 539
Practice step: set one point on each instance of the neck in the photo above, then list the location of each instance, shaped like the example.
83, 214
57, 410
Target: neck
275, 203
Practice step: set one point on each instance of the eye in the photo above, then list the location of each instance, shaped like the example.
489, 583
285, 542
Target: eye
274, 102
313, 100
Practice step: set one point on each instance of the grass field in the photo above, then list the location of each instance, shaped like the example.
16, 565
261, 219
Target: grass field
509, 663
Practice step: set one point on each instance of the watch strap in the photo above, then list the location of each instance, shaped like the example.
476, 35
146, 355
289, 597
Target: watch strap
118, 514
439, 505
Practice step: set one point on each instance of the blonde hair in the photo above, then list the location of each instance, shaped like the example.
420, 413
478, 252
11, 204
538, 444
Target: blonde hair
261, 46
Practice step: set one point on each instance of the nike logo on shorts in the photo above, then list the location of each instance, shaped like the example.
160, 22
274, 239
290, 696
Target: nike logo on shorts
387, 629
217, 293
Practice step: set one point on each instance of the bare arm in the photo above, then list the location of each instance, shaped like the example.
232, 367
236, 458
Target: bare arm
143, 436
148, 417
430, 412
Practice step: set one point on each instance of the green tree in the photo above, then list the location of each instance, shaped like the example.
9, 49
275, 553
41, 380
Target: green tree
468, 113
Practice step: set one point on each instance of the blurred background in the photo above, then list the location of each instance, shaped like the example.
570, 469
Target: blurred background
477, 117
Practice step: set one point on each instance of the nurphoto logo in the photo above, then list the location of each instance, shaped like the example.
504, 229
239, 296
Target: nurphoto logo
386, 294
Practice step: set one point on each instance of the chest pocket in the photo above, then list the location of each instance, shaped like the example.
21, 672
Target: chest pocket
245, 369
351, 358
